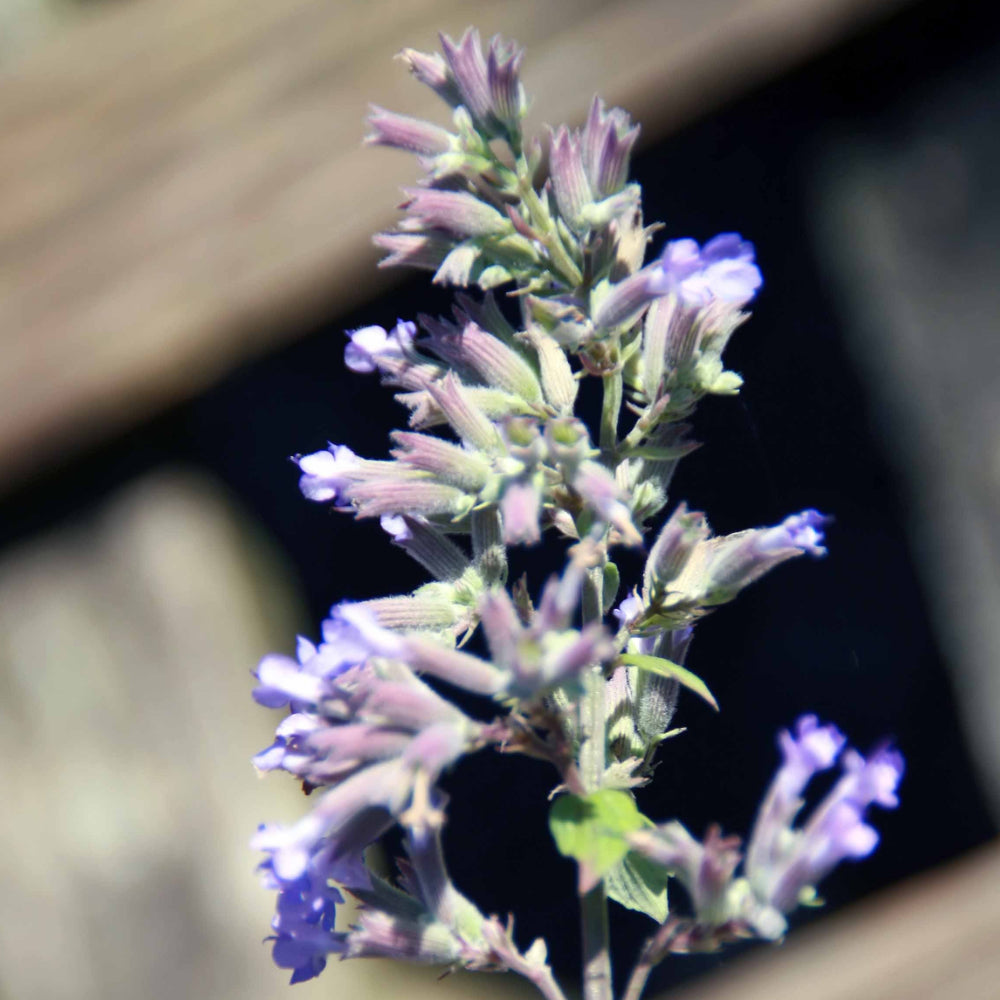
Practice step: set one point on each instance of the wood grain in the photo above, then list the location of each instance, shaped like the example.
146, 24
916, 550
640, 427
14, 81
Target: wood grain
182, 185
931, 938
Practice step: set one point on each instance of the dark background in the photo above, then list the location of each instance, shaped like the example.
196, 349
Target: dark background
846, 638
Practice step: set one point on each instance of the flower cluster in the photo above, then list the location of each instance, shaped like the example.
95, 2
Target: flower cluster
783, 863
498, 452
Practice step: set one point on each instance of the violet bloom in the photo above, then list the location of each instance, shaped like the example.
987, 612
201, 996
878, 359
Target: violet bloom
798, 531
628, 610
735, 561
326, 475
305, 911
350, 635
396, 527
784, 864
370, 344
723, 270
303, 681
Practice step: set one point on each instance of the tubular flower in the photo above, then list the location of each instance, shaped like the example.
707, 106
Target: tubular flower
783, 863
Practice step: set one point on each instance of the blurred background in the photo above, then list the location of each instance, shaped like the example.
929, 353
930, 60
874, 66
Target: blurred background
185, 222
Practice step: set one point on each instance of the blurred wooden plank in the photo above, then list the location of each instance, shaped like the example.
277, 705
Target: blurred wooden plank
128, 635
932, 938
181, 184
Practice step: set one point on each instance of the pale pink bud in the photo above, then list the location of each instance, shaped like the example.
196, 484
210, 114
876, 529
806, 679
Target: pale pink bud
455, 212
404, 132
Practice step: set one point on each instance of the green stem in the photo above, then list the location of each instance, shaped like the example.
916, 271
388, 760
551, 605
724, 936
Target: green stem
651, 955
594, 903
637, 981
592, 735
596, 954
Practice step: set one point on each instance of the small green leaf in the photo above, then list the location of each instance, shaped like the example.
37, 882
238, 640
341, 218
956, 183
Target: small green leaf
727, 384
662, 453
492, 277
612, 579
591, 829
639, 884
667, 668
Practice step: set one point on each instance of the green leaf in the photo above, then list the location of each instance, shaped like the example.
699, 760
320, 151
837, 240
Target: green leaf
611, 581
492, 277
661, 453
667, 668
639, 884
591, 829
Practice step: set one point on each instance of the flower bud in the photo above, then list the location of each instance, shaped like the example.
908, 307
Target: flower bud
672, 549
456, 212
608, 138
404, 132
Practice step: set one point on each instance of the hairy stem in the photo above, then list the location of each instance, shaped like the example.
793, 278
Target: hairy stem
651, 955
594, 903
637, 981
596, 953
544, 982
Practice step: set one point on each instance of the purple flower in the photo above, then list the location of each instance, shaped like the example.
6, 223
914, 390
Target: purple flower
735, 561
488, 88
306, 907
282, 680
784, 863
798, 531
350, 635
326, 475
589, 168
723, 270
370, 344
813, 748
873, 780
396, 527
